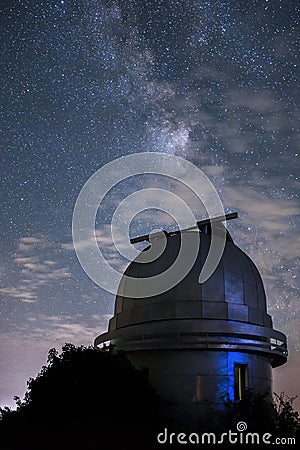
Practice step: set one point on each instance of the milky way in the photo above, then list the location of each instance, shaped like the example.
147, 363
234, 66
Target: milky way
85, 82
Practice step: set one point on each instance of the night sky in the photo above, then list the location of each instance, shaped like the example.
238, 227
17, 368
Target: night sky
87, 81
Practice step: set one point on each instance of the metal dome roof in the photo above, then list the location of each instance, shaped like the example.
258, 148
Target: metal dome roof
233, 292
227, 312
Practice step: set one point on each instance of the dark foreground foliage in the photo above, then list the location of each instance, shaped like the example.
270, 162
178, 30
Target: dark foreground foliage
94, 399
262, 415
86, 399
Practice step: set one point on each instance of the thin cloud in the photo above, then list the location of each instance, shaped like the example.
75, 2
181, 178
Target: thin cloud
36, 267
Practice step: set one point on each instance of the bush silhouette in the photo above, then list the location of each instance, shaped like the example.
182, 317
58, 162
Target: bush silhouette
94, 399
263, 414
83, 398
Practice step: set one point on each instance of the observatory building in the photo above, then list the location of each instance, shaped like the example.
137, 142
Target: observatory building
202, 343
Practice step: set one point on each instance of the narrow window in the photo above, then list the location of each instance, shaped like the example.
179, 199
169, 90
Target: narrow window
197, 396
240, 380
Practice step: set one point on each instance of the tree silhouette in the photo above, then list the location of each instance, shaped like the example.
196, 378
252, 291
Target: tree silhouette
83, 398
286, 418
263, 414
94, 399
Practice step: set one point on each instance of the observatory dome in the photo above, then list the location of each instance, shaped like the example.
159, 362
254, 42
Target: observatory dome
227, 312
234, 291
201, 342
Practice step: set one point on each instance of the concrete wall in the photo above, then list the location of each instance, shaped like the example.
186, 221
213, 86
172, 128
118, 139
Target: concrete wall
173, 374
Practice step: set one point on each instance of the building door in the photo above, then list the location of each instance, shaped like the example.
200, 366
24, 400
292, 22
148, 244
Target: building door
240, 380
